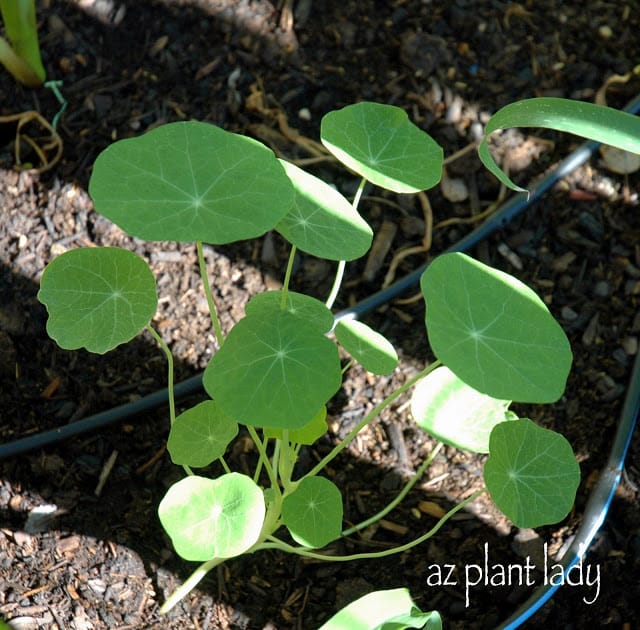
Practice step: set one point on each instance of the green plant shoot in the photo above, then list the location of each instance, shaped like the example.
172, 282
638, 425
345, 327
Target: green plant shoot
20, 55
277, 369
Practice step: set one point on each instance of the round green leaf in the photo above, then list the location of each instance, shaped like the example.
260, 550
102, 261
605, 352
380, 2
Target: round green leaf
384, 610
213, 518
97, 298
314, 312
308, 434
200, 435
313, 512
532, 474
373, 351
273, 372
321, 221
493, 331
189, 181
455, 413
381, 144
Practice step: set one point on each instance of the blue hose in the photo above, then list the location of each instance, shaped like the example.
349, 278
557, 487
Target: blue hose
604, 490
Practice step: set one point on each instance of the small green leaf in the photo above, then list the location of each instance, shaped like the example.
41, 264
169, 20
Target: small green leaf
493, 331
594, 122
309, 433
381, 144
531, 474
200, 435
455, 413
383, 610
273, 372
213, 518
313, 512
314, 312
97, 298
373, 351
321, 221
189, 181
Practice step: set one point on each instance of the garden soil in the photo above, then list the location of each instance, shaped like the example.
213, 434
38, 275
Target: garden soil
80, 542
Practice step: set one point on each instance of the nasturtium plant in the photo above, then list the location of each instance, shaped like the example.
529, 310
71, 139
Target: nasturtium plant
273, 374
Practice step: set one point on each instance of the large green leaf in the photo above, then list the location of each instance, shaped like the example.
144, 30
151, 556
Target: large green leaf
200, 435
213, 518
372, 350
321, 221
381, 144
531, 474
594, 122
189, 181
273, 372
493, 331
267, 304
97, 297
383, 610
455, 413
313, 512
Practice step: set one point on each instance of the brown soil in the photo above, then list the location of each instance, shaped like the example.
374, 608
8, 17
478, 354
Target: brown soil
100, 560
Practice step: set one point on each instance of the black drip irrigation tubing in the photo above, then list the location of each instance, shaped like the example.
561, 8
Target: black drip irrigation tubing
601, 496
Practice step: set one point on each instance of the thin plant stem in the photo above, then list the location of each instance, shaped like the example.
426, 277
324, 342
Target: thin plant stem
273, 477
287, 277
167, 351
369, 417
213, 311
337, 282
190, 583
282, 546
224, 465
412, 482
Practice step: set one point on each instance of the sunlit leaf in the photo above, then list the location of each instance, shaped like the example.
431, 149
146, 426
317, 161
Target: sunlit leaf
97, 297
381, 144
189, 181
493, 331
531, 474
371, 349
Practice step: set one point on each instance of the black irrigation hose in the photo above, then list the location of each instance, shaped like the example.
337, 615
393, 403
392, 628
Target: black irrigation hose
602, 494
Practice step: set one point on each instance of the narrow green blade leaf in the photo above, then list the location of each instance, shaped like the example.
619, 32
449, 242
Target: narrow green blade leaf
321, 221
97, 298
213, 518
189, 181
455, 413
373, 351
383, 610
307, 308
532, 474
308, 434
594, 122
313, 512
200, 435
381, 144
264, 374
493, 331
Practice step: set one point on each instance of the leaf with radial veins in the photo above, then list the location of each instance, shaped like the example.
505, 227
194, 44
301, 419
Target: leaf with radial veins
97, 297
213, 518
367, 346
381, 144
594, 122
455, 413
307, 308
288, 370
189, 181
493, 331
383, 610
200, 435
313, 512
321, 221
532, 474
